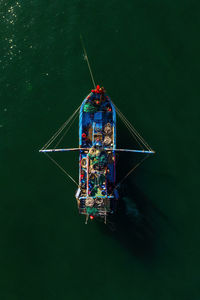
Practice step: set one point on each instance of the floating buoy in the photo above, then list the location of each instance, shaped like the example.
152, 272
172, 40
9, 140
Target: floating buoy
84, 162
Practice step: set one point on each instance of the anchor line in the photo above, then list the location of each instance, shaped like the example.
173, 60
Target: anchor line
88, 63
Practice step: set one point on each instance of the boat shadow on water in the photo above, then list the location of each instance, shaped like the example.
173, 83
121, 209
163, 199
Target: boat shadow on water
133, 224
136, 222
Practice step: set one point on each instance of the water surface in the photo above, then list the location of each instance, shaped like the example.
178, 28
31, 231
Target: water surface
146, 54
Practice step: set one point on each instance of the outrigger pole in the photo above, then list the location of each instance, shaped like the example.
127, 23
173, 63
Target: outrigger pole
136, 151
61, 150
105, 149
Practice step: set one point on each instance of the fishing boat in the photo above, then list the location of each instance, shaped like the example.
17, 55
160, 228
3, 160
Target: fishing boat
97, 194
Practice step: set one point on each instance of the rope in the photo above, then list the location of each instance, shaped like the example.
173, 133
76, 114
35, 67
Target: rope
139, 136
86, 57
66, 132
61, 168
137, 165
58, 132
121, 116
52, 139
132, 130
139, 139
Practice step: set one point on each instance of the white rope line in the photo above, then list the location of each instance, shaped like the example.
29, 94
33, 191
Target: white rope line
132, 169
138, 139
139, 136
132, 130
52, 139
56, 134
86, 57
66, 131
61, 168
129, 128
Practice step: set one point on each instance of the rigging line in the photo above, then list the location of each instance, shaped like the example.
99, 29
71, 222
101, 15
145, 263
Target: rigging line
61, 168
139, 136
50, 141
133, 129
61, 129
137, 165
86, 57
56, 134
129, 128
66, 132
131, 132
53, 138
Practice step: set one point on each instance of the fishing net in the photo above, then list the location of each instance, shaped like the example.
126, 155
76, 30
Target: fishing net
100, 160
89, 107
91, 210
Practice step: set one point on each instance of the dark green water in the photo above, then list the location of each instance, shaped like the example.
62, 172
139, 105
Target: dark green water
146, 54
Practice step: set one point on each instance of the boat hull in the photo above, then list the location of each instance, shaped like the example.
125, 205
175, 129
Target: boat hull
97, 195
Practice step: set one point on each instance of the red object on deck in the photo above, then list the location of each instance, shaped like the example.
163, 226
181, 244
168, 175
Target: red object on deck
83, 135
98, 90
91, 217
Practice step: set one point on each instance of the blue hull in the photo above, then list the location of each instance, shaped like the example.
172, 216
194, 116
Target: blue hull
97, 195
